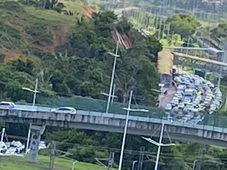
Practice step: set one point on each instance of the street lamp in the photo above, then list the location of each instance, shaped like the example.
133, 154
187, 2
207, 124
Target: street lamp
112, 77
2, 135
33, 104
112, 96
160, 144
126, 126
33, 91
133, 164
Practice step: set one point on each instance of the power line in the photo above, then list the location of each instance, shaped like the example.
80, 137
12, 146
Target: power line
128, 151
136, 152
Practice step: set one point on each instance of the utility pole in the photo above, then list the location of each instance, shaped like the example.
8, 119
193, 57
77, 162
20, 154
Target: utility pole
52, 155
111, 161
33, 104
126, 127
158, 144
141, 156
198, 167
112, 77
3, 133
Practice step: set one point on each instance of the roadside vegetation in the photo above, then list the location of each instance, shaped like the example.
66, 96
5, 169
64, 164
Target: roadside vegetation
65, 45
21, 163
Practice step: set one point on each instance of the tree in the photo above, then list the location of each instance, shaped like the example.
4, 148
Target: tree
220, 31
183, 24
176, 40
104, 23
154, 46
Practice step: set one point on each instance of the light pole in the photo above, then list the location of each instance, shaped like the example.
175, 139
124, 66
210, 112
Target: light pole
3, 133
33, 104
133, 164
160, 144
112, 95
33, 91
112, 77
126, 126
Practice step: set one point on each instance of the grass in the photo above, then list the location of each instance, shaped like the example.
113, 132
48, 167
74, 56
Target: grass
224, 92
26, 27
51, 16
21, 163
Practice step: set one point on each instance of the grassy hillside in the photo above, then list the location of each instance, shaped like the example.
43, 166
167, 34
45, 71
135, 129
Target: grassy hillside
20, 163
23, 28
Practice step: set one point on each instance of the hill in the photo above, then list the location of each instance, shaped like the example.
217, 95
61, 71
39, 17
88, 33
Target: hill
26, 27
60, 42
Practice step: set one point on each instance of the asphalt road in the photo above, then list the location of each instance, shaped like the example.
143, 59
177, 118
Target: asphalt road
33, 108
164, 99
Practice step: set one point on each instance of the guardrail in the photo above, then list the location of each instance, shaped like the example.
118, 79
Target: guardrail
211, 121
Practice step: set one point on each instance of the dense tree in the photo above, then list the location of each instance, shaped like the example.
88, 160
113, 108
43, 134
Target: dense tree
83, 67
220, 31
183, 24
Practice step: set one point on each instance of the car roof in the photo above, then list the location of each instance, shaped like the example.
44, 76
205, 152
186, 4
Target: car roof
4, 102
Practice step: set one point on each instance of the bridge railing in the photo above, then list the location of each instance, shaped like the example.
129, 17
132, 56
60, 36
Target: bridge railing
96, 105
99, 106
208, 120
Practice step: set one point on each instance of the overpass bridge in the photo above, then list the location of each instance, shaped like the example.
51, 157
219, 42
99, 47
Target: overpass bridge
198, 62
213, 132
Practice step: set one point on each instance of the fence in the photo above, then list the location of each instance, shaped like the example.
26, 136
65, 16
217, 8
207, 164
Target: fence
95, 105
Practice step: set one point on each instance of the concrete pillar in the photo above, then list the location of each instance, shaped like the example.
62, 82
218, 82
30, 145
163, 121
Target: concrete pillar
36, 132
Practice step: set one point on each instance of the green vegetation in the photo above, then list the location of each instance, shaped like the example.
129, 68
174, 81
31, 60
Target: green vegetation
65, 45
59, 53
21, 163
183, 24
201, 8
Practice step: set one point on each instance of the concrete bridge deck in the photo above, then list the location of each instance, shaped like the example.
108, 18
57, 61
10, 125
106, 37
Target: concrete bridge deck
143, 126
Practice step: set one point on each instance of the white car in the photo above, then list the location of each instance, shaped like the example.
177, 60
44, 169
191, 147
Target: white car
168, 107
6, 105
70, 110
3, 147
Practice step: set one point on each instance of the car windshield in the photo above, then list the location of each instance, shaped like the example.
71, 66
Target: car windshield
64, 109
4, 104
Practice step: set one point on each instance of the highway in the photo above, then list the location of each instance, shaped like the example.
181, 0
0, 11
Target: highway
212, 132
33, 108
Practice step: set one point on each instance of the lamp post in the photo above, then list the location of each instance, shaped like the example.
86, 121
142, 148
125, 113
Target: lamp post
160, 144
33, 104
33, 91
133, 164
3, 133
112, 95
112, 77
126, 127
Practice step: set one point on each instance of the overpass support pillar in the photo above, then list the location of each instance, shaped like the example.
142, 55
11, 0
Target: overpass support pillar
36, 132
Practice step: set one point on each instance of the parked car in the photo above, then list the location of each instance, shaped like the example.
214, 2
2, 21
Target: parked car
6, 105
70, 110
3, 147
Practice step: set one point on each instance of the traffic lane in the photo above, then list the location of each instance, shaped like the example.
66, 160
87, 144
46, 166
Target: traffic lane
33, 108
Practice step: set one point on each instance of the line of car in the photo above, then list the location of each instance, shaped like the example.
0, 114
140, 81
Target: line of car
194, 94
12, 106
